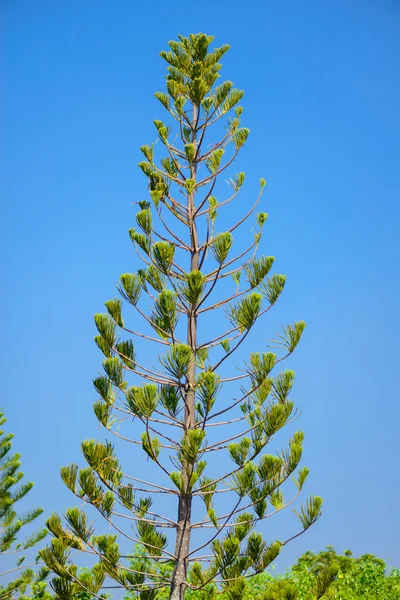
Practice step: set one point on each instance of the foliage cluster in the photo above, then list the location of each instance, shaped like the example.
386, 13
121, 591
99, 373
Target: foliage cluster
13, 523
364, 578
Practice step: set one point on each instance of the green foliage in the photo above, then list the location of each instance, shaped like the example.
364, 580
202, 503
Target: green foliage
339, 577
164, 316
143, 400
239, 137
257, 269
194, 286
145, 221
141, 240
13, 524
290, 336
155, 278
245, 312
237, 181
177, 360
207, 388
163, 253
221, 245
130, 288
106, 327
272, 288
126, 352
311, 512
214, 160
114, 308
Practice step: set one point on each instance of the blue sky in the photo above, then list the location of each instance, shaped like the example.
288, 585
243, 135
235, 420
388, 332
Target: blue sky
322, 91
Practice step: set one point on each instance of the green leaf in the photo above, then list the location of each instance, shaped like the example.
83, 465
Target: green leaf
207, 388
126, 353
177, 480
290, 337
193, 288
269, 555
148, 151
144, 220
213, 517
261, 364
237, 181
164, 316
170, 399
163, 130
179, 101
190, 184
164, 99
212, 213
191, 446
221, 245
255, 547
272, 288
243, 525
301, 478
244, 480
257, 268
141, 240
102, 410
239, 137
276, 416
143, 400
221, 92
190, 151
106, 328
201, 357
155, 278
214, 160
113, 369
170, 166
177, 360
239, 452
114, 307
208, 488
311, 512
226, 345
269, 467
163, 253
131, 287
198, 88
282, 385
232, 98
69, 475
245, 312
276, 499
151, 446
76, 519
104, 388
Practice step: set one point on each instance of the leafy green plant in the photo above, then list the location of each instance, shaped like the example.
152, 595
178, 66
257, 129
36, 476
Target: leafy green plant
325, 575
12, 523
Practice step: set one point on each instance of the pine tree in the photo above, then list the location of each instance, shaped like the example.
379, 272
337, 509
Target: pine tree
170, 412
11, 523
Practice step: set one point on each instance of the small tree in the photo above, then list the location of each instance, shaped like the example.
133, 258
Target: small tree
11, 523
184, 259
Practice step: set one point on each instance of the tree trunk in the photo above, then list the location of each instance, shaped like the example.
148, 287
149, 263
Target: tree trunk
179, 576
178, 585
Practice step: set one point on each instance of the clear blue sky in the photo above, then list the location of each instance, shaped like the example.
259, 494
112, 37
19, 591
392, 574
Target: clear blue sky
322, 85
